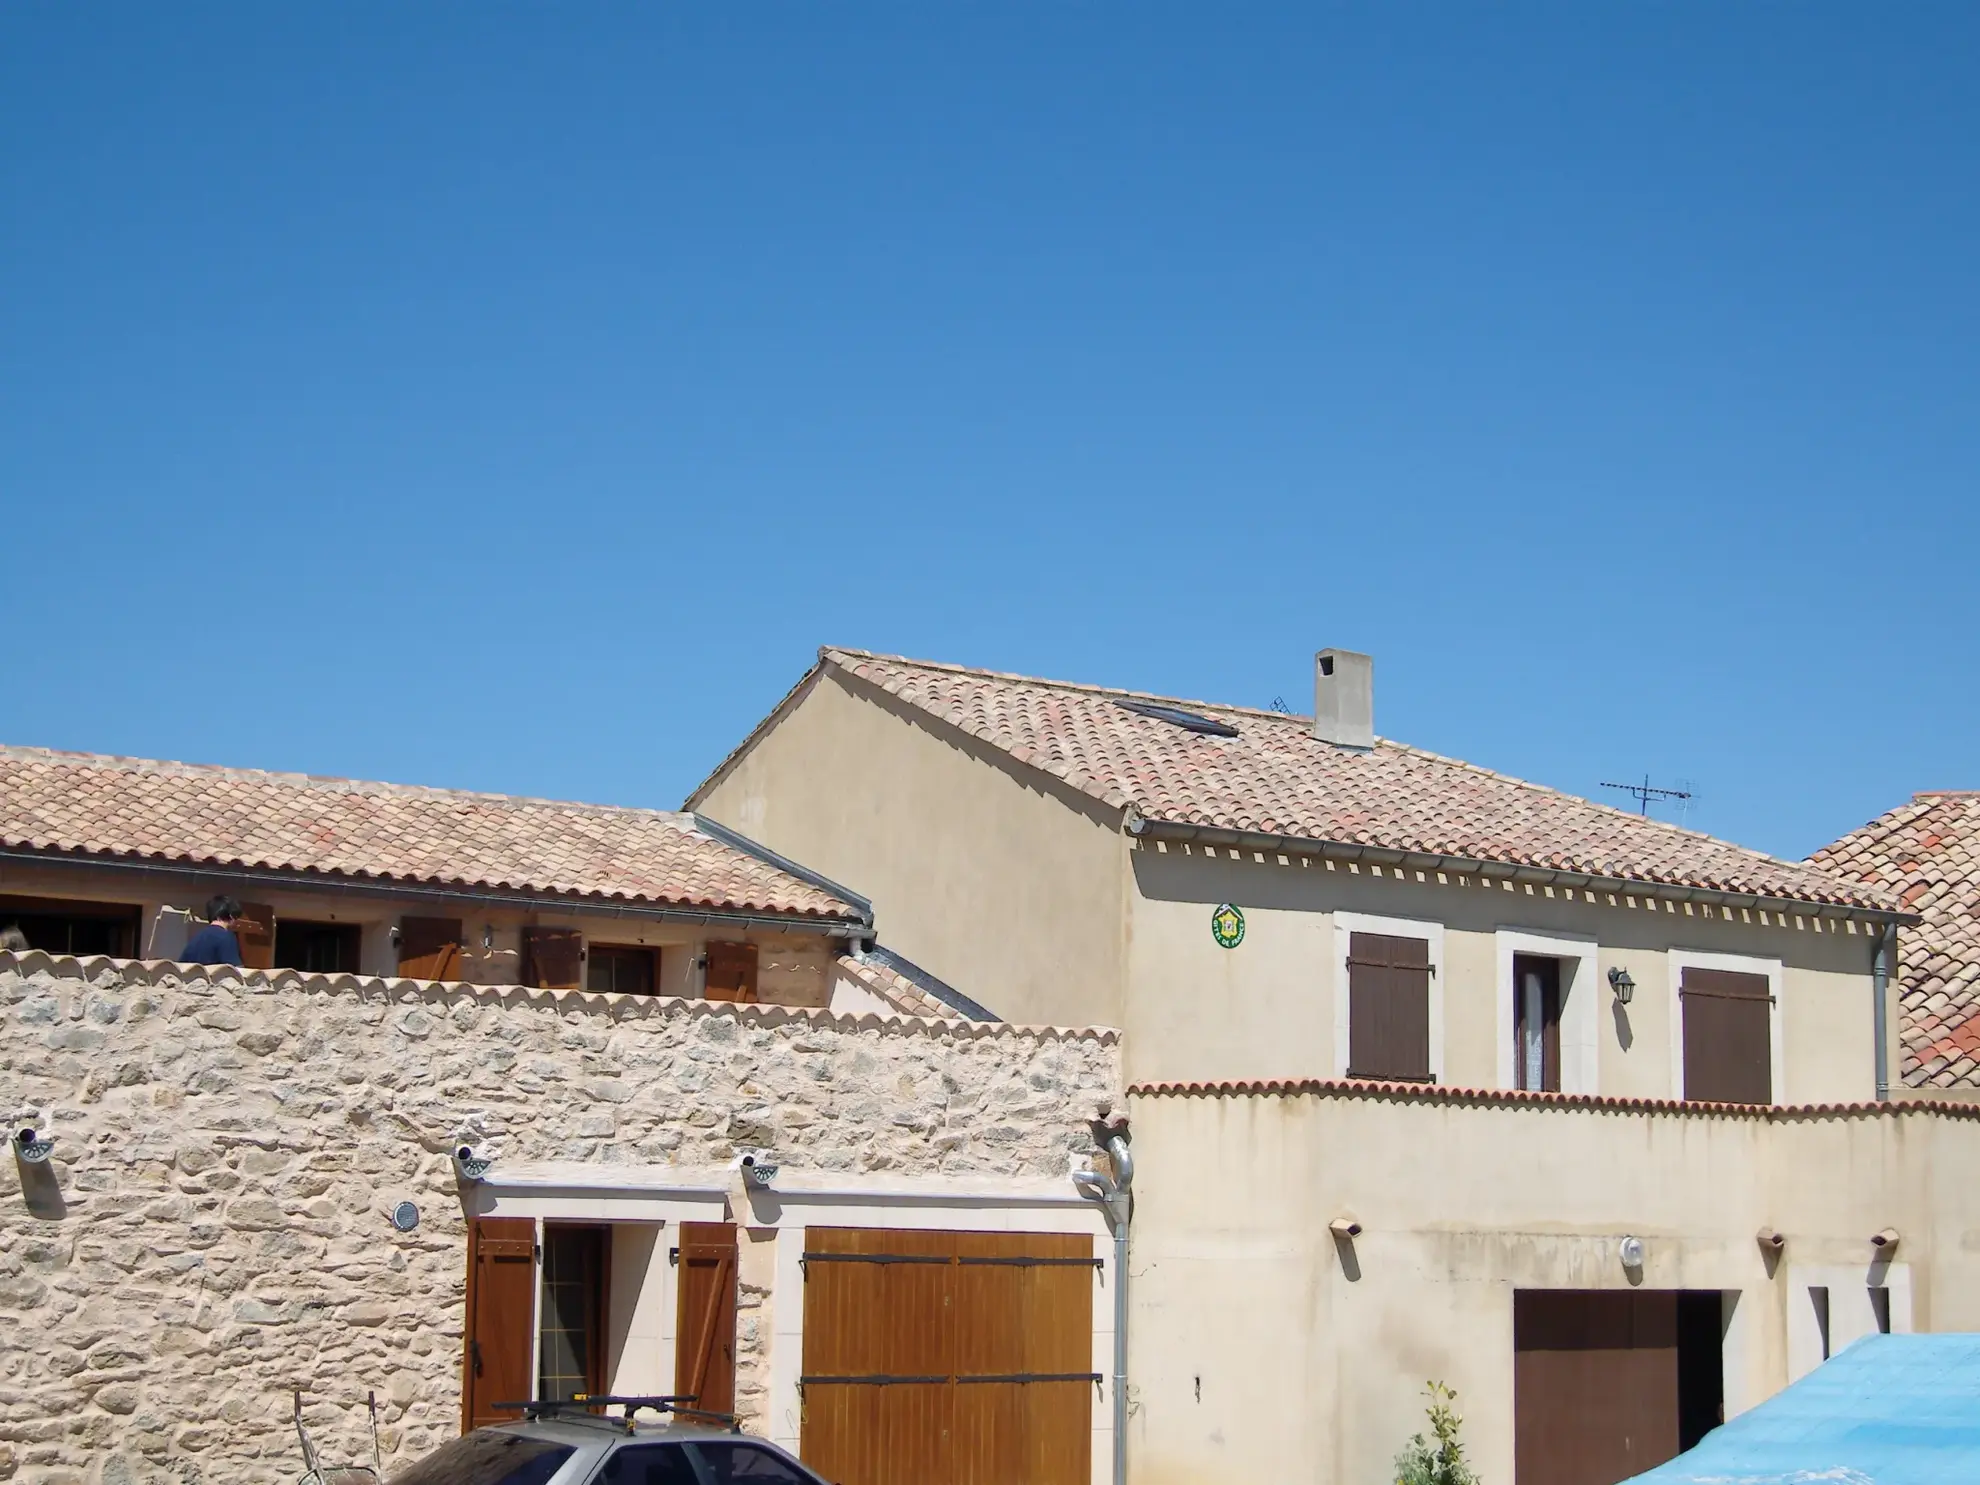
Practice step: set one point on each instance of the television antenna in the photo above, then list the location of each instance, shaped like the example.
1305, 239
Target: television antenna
1644, 793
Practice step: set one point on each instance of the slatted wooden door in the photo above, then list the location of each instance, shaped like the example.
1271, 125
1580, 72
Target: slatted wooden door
705, 1316
1595, 1384
430, 948
501, 1298
943, 1358
255, 932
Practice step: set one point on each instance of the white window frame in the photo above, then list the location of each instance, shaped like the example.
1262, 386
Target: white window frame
1348, 924
1677, 961
1581, 1028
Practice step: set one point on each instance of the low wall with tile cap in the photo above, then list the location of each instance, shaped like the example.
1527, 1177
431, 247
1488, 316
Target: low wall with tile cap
212, 1227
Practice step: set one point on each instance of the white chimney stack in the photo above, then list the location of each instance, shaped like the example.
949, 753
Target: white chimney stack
1344, 699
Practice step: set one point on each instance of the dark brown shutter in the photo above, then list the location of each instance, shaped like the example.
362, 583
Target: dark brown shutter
256, 932
731, 972
553, 958
430, 948
1388, 1007
501, 1294
705, 1326
1728, 1045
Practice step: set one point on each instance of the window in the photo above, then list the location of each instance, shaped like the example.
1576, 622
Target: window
59, 926
1388, 1007
1537, 1023
731, 972
1175, 716
1728, 1043
619, 969
571, 1338
750, 1463
317, 948
488, 1459
649, 1464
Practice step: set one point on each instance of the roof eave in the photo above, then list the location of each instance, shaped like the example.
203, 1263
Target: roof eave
1139, 825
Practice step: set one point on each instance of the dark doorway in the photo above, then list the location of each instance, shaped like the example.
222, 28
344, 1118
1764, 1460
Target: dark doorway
63, 926
571, 1333
1608, 1383
317, 948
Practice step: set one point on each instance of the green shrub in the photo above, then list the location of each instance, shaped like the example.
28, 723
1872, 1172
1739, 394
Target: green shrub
1438, 1460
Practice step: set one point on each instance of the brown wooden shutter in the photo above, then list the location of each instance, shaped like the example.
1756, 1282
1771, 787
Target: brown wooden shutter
501, 1295
553, 958
430, 948
705, 1324
1388, 1007
256, 932
731, 972
1728, 1036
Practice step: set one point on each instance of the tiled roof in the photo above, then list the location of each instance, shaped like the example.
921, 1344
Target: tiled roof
908, 987
175, 813
1275, 778
1927, 854
1521, 1098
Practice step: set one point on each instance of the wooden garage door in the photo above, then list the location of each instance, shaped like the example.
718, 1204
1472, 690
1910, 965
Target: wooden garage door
1595, 1384
947, 1358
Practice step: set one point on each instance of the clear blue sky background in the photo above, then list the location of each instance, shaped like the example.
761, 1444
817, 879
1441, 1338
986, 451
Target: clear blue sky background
514, 398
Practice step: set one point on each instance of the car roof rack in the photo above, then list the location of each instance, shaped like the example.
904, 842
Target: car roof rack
585, 1404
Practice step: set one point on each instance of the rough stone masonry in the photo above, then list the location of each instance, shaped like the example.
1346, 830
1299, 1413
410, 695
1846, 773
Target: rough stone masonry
212, 1230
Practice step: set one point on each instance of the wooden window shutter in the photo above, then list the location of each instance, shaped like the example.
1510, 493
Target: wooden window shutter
1728, 1036
553, 958
1388, 1007
705, 1328
501, 1298
731, 972
256, 932
430, 948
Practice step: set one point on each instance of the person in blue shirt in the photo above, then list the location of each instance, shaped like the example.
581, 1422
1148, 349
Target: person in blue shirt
215, 943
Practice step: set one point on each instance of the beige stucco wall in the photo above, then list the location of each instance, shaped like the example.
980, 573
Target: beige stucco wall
1262, 1350
213, 1229
1269, 1008
1002, 882
793, 967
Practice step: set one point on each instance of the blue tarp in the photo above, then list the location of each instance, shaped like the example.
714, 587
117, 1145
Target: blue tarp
1888, 1410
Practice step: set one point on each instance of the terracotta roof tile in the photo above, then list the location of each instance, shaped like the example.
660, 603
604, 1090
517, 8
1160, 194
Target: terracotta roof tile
1275, 778
1928, 852
164, 813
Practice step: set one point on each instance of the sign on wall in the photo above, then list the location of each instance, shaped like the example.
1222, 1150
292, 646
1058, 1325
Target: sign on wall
1227, 926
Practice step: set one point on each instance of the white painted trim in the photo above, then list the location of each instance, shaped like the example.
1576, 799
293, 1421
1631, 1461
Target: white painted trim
1677, 961
1424, 928
1850, 1315
1580, 1006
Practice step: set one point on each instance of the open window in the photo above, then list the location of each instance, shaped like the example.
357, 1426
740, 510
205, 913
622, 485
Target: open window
1537, 1023
317, 948
65, 926
621, 969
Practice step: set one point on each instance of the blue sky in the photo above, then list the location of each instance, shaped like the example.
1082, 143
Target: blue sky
515, 398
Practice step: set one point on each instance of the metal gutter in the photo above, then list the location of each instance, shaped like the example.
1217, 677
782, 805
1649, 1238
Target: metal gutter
1880, 983
736, 841
1138, 826
948, 994
297, 881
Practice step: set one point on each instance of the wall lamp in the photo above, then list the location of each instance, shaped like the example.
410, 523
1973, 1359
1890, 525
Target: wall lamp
1622, 984
34, 1146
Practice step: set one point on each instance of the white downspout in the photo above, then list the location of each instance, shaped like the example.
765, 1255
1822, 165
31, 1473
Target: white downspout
1113, 1190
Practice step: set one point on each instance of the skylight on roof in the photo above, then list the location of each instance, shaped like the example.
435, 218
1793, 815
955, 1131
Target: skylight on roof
1175, 716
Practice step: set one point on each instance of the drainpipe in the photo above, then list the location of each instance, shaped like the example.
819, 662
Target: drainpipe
1113, 1190
1880, 981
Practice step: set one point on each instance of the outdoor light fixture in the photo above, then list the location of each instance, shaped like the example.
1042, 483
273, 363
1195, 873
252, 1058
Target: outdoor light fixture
1630, 1251
758, 1171
1622, 984
488, 935
35, 1145
1884, 1240
470, 1164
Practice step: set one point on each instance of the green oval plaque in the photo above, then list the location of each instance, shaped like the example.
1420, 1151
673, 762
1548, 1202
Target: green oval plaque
1227, 926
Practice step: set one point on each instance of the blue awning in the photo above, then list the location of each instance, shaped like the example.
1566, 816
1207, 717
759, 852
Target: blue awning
1888, 1410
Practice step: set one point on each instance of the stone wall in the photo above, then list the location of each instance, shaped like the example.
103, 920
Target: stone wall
212, 1228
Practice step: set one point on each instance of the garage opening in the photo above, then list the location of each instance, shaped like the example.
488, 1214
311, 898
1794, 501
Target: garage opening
1609, 1383
940, 1358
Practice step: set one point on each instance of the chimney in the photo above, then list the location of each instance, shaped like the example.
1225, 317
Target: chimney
1344, 699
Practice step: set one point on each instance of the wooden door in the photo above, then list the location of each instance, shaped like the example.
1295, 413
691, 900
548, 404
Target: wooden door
553, 958
705, 1316
256, 933
941, 1358
1388, 1007
501, 1295
430, 948
1595, 1384
731, 972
